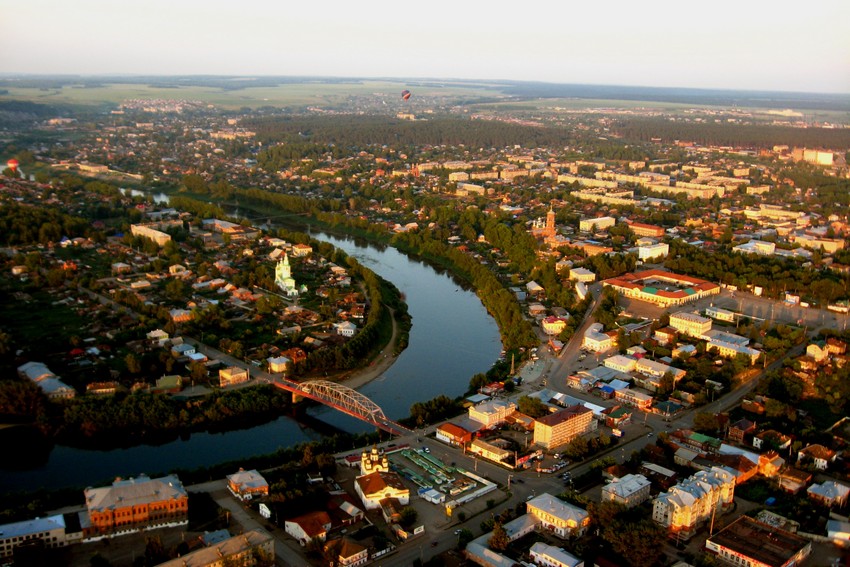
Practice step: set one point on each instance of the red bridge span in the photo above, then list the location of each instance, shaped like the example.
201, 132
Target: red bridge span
344, 399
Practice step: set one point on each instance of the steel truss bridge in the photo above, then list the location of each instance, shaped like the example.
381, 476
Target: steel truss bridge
344, 399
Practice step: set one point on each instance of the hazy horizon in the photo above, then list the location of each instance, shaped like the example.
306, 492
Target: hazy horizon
727, 46
401, 80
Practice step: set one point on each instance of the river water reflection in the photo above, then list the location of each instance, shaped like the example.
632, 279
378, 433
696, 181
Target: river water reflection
452, 338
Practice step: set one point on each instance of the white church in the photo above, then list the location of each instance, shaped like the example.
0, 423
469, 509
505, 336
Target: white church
283, 277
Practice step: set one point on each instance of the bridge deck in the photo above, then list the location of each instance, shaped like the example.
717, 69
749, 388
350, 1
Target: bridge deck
344, 399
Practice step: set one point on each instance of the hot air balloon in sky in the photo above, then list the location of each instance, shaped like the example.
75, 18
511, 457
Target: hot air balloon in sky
12, 164
405, 94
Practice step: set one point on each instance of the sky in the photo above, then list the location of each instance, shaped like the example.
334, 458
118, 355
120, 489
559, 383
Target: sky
726, 44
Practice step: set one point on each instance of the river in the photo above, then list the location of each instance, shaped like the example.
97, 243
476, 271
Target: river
452, 338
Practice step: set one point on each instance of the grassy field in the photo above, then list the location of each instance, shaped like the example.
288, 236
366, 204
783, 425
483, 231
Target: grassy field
289, 94
357, 94
575, 104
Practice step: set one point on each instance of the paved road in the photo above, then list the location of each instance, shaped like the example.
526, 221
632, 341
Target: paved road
523, 484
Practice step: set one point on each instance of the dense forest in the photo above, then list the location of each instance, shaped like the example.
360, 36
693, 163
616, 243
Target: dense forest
361, 131
30, 225
728, 134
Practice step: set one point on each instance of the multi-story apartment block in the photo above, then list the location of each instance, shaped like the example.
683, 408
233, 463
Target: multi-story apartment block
594, 224
50, 531
692, 502
561, 427
650, 230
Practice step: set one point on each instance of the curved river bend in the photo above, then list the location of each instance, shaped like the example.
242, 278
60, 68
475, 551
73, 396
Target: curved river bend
452, 338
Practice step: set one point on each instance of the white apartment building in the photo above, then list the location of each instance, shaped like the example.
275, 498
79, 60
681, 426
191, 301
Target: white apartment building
629, 490
692, 502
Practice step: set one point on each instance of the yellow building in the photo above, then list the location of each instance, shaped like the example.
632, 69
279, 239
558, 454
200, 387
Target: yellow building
561, 427
488, 451
557, 516
145, 231
690, 323
692, 502
492, 412
232, 375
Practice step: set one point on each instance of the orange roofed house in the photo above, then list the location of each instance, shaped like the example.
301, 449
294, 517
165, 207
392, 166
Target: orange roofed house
662, 288
453, 434
310, 526
136, 503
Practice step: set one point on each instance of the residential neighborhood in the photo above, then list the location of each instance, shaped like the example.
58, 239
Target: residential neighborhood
244, 322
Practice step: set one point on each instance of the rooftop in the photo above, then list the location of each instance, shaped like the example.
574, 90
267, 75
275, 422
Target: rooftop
758, 541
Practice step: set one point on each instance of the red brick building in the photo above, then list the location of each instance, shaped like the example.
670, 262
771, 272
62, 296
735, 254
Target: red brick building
136, 503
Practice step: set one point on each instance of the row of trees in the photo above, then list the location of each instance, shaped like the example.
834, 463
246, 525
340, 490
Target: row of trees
725, 134
141, 416
774, 275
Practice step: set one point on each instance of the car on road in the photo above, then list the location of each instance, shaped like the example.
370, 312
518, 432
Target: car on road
457, 532
519, 481
426, 449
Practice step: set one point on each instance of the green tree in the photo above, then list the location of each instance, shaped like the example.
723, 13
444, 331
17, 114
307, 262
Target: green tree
640, 543
175, 290
132, 363
409, 515
307, 459
532, 407
464, 537
499, 539
705, 422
